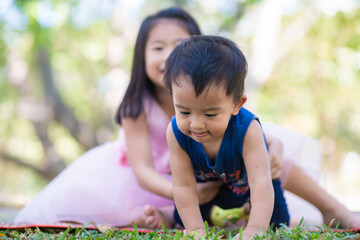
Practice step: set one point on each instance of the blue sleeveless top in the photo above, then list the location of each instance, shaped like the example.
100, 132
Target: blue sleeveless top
229, 164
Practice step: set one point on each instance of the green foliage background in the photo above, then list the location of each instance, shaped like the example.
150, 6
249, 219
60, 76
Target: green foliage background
316, 87
87, 47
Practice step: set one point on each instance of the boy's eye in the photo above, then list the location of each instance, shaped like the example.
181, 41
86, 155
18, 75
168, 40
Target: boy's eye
185, 113
210, 115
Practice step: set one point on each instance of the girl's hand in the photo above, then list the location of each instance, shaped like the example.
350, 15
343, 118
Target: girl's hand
275, 155
207, 190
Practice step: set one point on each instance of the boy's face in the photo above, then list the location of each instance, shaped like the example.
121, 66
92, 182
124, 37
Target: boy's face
204, 118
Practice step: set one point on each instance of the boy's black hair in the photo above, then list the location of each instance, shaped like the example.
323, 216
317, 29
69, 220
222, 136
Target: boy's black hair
132, 103
207, 60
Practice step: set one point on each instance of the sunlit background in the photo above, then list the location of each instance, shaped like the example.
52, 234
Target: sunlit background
65, 65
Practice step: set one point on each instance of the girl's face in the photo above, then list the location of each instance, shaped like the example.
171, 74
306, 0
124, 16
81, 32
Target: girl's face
162, 39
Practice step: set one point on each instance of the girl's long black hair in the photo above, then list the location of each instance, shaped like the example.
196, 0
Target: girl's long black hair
132, 103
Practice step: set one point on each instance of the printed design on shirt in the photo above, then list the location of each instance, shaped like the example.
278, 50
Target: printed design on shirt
207, 175
239, 190
240, 186
226, 177
236, 184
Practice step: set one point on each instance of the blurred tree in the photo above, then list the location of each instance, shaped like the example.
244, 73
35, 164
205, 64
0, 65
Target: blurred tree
65, 64
315, 88
46, 99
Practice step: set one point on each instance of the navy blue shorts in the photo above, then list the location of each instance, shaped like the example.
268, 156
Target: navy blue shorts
226, 199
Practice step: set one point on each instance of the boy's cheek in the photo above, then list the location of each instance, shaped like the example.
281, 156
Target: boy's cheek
182, 126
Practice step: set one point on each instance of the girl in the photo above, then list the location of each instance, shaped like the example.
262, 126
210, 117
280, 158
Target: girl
129, 179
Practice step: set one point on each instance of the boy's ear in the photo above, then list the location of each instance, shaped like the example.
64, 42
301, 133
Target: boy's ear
238, 105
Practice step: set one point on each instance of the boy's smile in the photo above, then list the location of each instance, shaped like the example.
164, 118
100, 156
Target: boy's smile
205, 117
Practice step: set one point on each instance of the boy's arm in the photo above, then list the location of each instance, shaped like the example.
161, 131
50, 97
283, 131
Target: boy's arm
184, 186
261, 190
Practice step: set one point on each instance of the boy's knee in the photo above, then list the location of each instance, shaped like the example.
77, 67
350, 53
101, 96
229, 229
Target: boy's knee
280, 216
281, 212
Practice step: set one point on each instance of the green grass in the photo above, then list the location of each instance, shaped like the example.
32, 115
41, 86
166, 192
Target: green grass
298, 232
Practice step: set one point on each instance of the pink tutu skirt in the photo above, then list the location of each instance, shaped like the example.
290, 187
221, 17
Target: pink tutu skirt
93, 188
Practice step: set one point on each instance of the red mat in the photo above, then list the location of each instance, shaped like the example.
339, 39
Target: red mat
60, 226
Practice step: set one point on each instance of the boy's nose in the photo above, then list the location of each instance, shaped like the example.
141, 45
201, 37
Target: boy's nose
196, 123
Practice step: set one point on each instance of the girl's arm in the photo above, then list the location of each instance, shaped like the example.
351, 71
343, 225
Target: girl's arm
261, 190
276, 151
184, 186
139, 154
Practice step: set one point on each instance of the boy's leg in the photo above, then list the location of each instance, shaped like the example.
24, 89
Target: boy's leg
301, 184
280, 213
225, 199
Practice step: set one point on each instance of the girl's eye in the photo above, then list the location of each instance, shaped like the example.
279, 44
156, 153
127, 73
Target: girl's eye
210, 115
158, 48
184, 113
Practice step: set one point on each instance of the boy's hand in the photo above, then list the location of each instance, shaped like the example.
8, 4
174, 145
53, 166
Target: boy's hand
206, 191
199, 233
249, 233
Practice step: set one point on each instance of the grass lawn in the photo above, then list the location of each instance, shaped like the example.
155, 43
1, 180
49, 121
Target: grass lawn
298, 232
